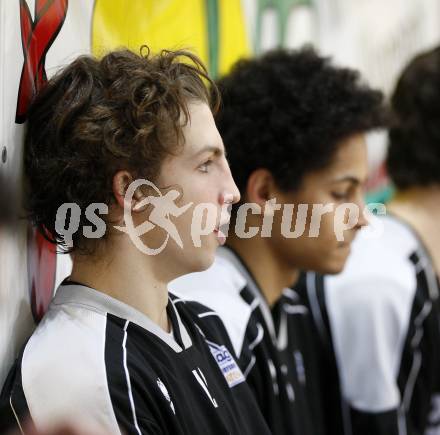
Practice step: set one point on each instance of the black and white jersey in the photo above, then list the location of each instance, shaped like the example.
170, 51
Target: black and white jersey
384, 319
274, 345
334, 408
99, 363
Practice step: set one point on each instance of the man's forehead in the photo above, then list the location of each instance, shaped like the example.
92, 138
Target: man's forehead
201, 134
350, 159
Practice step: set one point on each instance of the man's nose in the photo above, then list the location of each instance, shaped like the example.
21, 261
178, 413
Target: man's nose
362, 221
231, 194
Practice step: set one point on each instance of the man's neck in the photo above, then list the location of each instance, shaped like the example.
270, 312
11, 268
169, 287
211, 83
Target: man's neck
128, 278
420, 208
270, 272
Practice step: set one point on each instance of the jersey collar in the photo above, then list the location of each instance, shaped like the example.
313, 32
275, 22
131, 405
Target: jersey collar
88, 298
230, 255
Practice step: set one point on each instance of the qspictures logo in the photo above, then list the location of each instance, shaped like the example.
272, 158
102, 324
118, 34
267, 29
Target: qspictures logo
208, 218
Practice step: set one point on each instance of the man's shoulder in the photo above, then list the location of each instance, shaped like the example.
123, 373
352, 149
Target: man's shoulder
384, 259
217, 292
68, 340
62, 367
222, 277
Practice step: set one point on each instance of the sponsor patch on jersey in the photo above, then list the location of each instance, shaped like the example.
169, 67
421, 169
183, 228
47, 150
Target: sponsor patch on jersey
227, 364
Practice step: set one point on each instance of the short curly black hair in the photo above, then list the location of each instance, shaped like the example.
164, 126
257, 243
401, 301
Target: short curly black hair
287, 111
414, 139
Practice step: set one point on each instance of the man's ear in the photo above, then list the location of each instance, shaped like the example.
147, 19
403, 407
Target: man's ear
260, 187
121, 182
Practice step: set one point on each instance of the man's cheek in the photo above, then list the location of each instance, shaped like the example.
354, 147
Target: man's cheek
346, 218
203, 222
329, 228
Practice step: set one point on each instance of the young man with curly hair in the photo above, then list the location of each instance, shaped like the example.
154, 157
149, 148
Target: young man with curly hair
116, 353
384, 308
293, 126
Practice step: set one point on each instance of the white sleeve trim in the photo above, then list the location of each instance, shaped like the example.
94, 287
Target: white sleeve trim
369, 320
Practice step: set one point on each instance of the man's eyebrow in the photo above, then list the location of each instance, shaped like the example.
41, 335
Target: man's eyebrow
348, 178
211, 148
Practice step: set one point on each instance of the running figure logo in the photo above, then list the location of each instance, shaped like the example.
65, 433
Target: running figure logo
164, 206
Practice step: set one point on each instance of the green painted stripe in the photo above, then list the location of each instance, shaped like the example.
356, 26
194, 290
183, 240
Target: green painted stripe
282, 9
212, 17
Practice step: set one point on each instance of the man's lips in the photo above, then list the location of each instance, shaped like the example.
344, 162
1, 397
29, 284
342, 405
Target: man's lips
345, 245
222, 227
220, 231
221, 238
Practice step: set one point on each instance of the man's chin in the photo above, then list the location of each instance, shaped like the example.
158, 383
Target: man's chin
200, 261
335, 267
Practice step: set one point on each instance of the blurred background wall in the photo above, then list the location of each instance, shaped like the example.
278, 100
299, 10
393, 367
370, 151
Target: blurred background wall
38, 36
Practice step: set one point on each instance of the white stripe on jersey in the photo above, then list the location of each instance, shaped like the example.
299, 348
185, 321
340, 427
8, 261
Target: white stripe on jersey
295, 309
16, 416
282, 338
314, 304
127, 375
291, 294
208, 313
198, 374
258, 338
417, 360
249, 367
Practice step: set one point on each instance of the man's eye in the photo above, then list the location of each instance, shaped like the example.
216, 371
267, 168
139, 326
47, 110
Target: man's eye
339, 196
205, 166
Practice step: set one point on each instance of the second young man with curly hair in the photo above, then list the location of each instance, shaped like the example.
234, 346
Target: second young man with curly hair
293, 127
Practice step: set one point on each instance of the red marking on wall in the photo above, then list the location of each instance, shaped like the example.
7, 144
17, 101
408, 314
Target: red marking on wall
37, 37
42, 262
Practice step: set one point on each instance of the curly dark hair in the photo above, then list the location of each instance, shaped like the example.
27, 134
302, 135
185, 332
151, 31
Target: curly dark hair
287, 111
414, 139
98, 116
